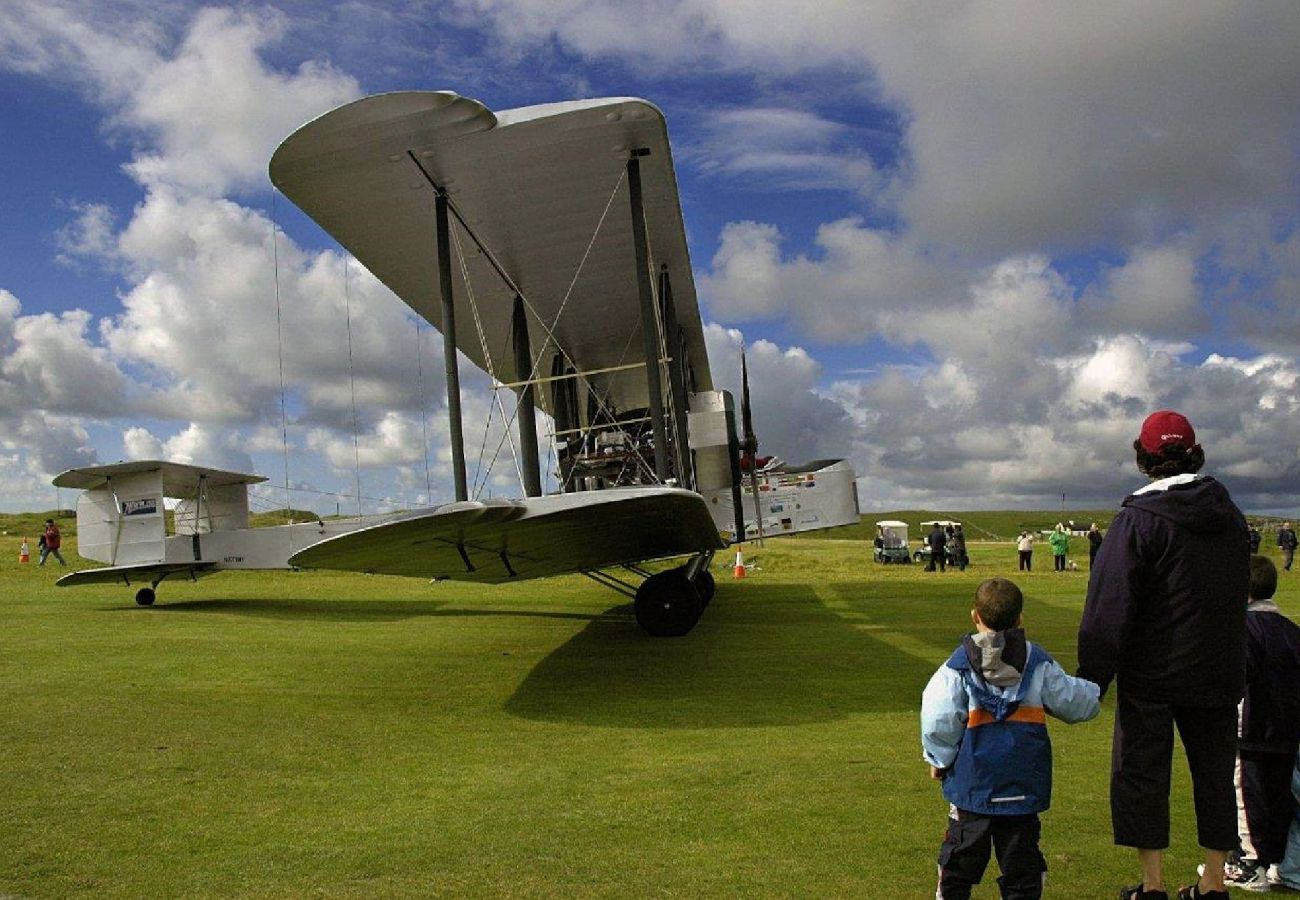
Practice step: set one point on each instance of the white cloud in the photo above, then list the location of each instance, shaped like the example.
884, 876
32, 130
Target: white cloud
780, 147
860, 281
1154, 293
140, 443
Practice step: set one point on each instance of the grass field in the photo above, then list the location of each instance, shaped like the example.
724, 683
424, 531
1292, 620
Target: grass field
318, 734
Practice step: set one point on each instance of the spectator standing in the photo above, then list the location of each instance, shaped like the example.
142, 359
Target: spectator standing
938, 544
1165, 617
1094, 544
959, 548
1287, 541
1255, 538
1269, 733
1059, 540
52, 543
1025, 547
984, 734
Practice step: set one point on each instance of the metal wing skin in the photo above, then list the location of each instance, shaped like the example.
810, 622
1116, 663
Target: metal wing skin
142, 573
504, 540
534, 185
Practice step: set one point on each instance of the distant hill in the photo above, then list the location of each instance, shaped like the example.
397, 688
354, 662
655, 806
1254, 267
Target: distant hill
1002, 525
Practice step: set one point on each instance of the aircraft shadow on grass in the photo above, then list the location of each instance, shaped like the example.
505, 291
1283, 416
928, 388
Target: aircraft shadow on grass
347, 610
765, 656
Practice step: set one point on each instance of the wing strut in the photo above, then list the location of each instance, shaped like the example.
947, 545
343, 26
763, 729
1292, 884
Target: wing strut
676, 354
449, 346
527, 420
649, 319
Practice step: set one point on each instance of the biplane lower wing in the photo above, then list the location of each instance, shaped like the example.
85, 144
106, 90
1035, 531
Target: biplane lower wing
504, 540
146, 573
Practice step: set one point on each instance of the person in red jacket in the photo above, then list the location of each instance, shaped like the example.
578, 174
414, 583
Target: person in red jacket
1165, 618
52, 542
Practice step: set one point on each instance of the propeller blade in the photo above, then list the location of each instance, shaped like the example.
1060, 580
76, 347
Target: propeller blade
746, 416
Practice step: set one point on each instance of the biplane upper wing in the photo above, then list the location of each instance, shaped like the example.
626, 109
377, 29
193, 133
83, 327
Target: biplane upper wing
544, 188
500, 540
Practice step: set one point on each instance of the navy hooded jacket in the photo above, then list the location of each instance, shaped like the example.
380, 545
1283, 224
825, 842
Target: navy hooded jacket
1166, 607
1270, 712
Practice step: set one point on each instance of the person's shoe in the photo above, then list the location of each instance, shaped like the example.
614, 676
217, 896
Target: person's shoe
1136, 893
1246, 874
1280, 884
1193, 892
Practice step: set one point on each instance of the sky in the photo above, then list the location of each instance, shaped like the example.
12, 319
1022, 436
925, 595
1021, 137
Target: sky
968, 245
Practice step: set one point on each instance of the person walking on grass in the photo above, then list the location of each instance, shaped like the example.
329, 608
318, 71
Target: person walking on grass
1286, 541
984, 734
1059, 540
52, 542
1165, 618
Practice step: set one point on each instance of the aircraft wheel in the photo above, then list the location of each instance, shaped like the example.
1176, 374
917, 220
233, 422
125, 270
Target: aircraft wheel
707, 586
668, 604
145, 596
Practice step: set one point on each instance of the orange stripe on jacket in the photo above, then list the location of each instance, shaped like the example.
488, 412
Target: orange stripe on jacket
981, 716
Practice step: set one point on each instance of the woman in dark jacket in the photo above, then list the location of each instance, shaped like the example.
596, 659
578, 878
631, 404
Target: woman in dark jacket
1166, 619
1094, 544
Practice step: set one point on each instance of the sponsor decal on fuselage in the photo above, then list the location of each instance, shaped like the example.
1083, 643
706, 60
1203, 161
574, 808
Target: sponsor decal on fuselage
146, 507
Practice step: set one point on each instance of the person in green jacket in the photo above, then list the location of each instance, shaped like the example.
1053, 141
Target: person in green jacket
1060, 542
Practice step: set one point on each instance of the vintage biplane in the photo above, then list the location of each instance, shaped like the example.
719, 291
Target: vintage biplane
547, 245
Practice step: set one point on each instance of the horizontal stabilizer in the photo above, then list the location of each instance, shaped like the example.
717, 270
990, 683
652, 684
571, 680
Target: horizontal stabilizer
178, 479
501, 540
144, 573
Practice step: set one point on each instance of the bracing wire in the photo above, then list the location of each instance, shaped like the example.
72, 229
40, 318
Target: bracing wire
279, 345
552, 339
496, 382
352, 380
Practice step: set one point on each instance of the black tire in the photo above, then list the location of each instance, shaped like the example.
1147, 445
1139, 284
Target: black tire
668, 604
145, 596
706, 585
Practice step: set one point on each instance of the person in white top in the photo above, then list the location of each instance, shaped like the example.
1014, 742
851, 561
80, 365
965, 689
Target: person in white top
1025, 545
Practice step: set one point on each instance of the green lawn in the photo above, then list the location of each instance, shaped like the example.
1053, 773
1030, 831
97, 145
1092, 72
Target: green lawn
308, 734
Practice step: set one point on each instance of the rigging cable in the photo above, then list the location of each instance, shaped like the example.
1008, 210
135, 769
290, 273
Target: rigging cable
496, 382
279, 346
352, 381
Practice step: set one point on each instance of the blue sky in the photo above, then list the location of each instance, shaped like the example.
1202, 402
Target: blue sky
969, 245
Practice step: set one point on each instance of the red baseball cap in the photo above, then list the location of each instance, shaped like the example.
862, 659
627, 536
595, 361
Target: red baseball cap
1166, 427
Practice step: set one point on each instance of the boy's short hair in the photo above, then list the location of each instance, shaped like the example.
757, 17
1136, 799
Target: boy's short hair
998, 602
1263, 578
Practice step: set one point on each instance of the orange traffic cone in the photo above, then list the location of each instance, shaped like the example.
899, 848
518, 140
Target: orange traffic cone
24, 555
739, 571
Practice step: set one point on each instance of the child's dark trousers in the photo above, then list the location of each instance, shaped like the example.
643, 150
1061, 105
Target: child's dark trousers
964, 855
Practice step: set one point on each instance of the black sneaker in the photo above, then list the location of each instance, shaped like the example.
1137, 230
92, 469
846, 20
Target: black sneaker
1136, 893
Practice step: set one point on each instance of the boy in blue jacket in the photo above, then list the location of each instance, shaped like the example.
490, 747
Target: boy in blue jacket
984, 734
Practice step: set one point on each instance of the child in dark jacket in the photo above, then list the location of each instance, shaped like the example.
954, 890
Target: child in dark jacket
1269, 733
984, 734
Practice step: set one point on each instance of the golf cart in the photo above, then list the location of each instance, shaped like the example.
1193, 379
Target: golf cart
891, 542
923, 554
